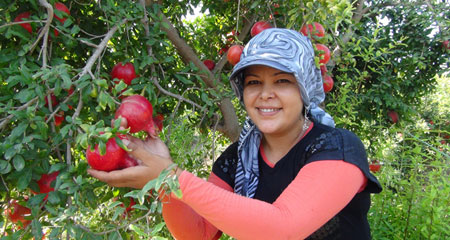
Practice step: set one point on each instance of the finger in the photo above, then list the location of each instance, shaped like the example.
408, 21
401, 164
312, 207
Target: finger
135, 177
123, 122
138, 149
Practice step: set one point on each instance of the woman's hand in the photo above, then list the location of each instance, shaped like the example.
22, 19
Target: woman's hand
153, 156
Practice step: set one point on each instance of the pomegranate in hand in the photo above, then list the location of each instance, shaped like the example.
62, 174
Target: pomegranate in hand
139, 114
111, 160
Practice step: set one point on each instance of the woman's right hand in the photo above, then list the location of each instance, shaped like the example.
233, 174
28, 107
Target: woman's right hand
153, 157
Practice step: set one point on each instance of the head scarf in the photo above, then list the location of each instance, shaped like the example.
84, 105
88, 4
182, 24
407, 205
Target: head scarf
288, 51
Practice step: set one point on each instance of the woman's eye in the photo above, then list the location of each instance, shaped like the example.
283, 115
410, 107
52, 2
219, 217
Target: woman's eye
283, 81
252, 82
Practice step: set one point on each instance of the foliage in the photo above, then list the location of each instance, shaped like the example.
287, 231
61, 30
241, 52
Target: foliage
386, 56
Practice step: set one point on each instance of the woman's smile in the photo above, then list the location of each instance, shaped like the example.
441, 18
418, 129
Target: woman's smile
272, 99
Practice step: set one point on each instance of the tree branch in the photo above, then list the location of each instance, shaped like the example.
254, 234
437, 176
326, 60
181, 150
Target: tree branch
245, 30
231, 127
100, 48
9, 117
44, 31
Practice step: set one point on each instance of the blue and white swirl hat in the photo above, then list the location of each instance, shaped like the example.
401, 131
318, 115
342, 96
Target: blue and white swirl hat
289, 51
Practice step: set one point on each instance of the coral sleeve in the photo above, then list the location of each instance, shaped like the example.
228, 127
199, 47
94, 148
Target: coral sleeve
320, 190
185, 223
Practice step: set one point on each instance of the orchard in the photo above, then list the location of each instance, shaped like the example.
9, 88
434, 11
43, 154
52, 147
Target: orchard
70, 70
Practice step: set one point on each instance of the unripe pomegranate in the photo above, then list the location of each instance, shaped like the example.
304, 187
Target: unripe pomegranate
111, 160
139, 114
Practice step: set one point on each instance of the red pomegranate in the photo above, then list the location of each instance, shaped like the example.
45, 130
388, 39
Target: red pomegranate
127, 162
22, 17
139, 114
17, 213
111, 160
124, 72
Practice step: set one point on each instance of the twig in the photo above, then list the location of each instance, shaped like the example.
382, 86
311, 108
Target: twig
245, 31
100, 48
9, 117
20, 22
44, 31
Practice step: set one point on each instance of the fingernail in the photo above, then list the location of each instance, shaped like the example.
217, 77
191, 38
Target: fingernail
121, 128
126, 142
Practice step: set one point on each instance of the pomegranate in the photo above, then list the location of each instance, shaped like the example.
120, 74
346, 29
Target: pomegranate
158, 120
259, 27
124, 72
127, 162
45, 182
53, 99
139, 114
17, 213
234, 54
22, 17
209, 64
59, 118
324, 53
111, 160
314, 30
327, 83
61, 7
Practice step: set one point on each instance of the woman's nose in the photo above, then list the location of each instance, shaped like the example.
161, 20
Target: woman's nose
267, 92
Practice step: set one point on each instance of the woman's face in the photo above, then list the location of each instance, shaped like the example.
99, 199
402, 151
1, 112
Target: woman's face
272, 99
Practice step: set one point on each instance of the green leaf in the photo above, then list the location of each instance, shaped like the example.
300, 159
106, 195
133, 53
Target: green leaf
157, 228
64, 130
101, 82
36, 229
121, 144
19, 162
37, 199
53, 197
102, 148
137, 230
10, 152
24, 179
5, 167
19, 130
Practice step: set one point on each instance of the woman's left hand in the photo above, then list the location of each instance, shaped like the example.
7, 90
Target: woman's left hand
154, 157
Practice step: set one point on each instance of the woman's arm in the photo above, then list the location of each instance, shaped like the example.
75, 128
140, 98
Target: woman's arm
320, 190
184, 223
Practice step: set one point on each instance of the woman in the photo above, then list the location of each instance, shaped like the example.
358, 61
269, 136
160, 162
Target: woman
291, 175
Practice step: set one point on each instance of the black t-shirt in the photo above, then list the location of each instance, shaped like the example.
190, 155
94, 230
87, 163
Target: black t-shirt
321, 143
